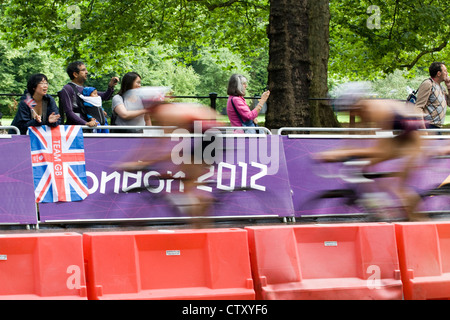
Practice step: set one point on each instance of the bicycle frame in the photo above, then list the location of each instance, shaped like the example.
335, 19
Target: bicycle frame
361, 190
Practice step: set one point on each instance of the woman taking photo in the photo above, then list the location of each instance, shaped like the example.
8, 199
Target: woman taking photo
238, 111
36, 107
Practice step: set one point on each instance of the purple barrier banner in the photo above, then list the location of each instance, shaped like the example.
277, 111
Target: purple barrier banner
255, 168
17, 202
278, 173
308, 178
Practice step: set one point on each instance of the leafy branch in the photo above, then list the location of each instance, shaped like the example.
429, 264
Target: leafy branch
409, 66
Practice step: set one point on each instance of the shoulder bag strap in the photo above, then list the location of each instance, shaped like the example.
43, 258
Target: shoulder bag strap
78, 103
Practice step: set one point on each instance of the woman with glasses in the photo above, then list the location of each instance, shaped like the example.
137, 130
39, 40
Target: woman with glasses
36, 106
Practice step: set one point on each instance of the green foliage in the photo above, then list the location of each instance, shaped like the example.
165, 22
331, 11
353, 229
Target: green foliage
17, 65
159, 65
215, 67
396, 85
162, 69
114, 35
109, 29
409, 35
162, 40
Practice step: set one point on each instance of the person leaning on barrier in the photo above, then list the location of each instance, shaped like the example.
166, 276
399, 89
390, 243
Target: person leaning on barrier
69, 101
432, 100
238, 111
36, 106
127, 106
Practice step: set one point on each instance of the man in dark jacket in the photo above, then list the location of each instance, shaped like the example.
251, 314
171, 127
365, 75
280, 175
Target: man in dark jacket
69, 101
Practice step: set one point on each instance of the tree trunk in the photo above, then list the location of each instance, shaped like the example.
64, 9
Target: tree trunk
298, 67
289, 65
321, 113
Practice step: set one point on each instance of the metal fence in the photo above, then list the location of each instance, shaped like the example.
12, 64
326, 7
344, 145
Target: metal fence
212, 97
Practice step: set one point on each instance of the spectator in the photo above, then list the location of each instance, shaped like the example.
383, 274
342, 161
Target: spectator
69, 100
238, 111
431, 97
93, 100
127, 107
36, 106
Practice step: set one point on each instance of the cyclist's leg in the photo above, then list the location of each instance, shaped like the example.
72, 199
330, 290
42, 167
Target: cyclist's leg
409, 149
201, 201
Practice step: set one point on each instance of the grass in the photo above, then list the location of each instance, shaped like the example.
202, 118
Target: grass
6, 121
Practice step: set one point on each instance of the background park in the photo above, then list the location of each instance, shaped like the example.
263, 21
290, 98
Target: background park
301, 50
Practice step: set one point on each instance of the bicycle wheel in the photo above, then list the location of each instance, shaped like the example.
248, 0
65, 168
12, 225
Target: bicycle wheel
334, 202
436, 201
370, 205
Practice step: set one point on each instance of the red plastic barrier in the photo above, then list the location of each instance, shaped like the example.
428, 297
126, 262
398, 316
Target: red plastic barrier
342, 261
42, 266
181, 264
424, 255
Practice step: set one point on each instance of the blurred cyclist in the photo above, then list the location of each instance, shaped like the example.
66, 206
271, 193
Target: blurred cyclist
178, 118
388, 115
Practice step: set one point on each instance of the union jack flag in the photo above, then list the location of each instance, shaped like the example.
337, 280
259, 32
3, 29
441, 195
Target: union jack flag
59, 168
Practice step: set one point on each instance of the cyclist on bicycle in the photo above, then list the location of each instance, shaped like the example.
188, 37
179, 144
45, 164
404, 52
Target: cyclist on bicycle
388, 115
178, 118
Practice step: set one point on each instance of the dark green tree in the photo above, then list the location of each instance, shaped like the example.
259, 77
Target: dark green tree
370, 40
